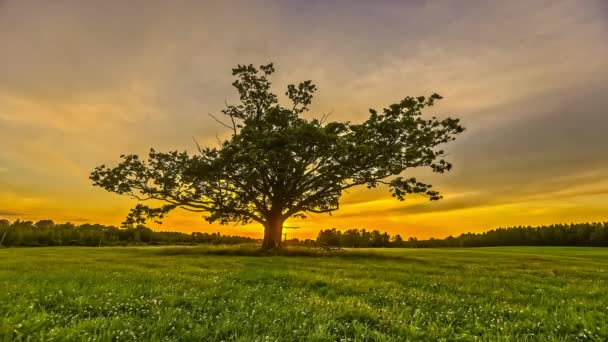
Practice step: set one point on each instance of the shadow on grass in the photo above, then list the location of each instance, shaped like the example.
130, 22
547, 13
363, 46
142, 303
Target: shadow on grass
256, 251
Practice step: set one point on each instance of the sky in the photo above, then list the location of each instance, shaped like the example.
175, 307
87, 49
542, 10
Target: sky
82, 82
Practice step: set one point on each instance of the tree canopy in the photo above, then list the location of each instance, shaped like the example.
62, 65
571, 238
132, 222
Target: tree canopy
277, 164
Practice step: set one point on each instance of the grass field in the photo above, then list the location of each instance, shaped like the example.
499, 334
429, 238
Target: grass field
523, 293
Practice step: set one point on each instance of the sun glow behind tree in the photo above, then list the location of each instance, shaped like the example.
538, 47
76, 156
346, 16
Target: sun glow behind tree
278, 165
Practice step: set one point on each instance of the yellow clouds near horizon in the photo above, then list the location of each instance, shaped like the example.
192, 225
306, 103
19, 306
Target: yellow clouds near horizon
83, 82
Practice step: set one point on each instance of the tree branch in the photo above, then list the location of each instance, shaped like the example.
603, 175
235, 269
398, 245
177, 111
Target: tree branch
221, 123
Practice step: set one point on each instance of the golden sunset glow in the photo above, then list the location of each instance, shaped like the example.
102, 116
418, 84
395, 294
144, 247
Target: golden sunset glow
84, 82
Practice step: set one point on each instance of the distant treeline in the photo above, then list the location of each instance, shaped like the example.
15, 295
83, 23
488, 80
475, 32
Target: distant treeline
358, 238
575, 234
48, 233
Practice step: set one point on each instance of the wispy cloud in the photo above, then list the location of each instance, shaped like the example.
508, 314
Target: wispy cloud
527, 78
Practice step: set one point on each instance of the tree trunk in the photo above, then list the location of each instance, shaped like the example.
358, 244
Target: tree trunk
273, 232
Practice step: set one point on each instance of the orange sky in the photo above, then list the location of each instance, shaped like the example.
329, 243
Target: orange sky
83, 82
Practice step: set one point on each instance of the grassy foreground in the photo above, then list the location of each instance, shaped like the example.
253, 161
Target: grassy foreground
523, 293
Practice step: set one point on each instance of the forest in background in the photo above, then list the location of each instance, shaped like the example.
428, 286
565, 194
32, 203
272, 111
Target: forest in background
48, 233
573, 234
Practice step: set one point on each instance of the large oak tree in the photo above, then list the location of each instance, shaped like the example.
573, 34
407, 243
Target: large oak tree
277, 164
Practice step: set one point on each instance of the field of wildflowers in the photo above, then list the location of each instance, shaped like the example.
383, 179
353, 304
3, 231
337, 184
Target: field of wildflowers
116, 294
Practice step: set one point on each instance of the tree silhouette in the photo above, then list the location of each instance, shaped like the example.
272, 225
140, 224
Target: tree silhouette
278, 165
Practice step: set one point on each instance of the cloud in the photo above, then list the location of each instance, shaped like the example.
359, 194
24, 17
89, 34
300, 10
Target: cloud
84, 82
9, 213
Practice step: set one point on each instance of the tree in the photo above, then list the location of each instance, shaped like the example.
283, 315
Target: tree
278, 164
398, 241
45, 224
329, 237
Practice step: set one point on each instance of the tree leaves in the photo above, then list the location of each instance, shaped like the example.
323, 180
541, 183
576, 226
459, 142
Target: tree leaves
278, 164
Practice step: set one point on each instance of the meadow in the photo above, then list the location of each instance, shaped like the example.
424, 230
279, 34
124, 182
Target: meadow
219, 294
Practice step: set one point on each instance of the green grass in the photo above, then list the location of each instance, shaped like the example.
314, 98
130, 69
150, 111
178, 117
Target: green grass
195, 294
